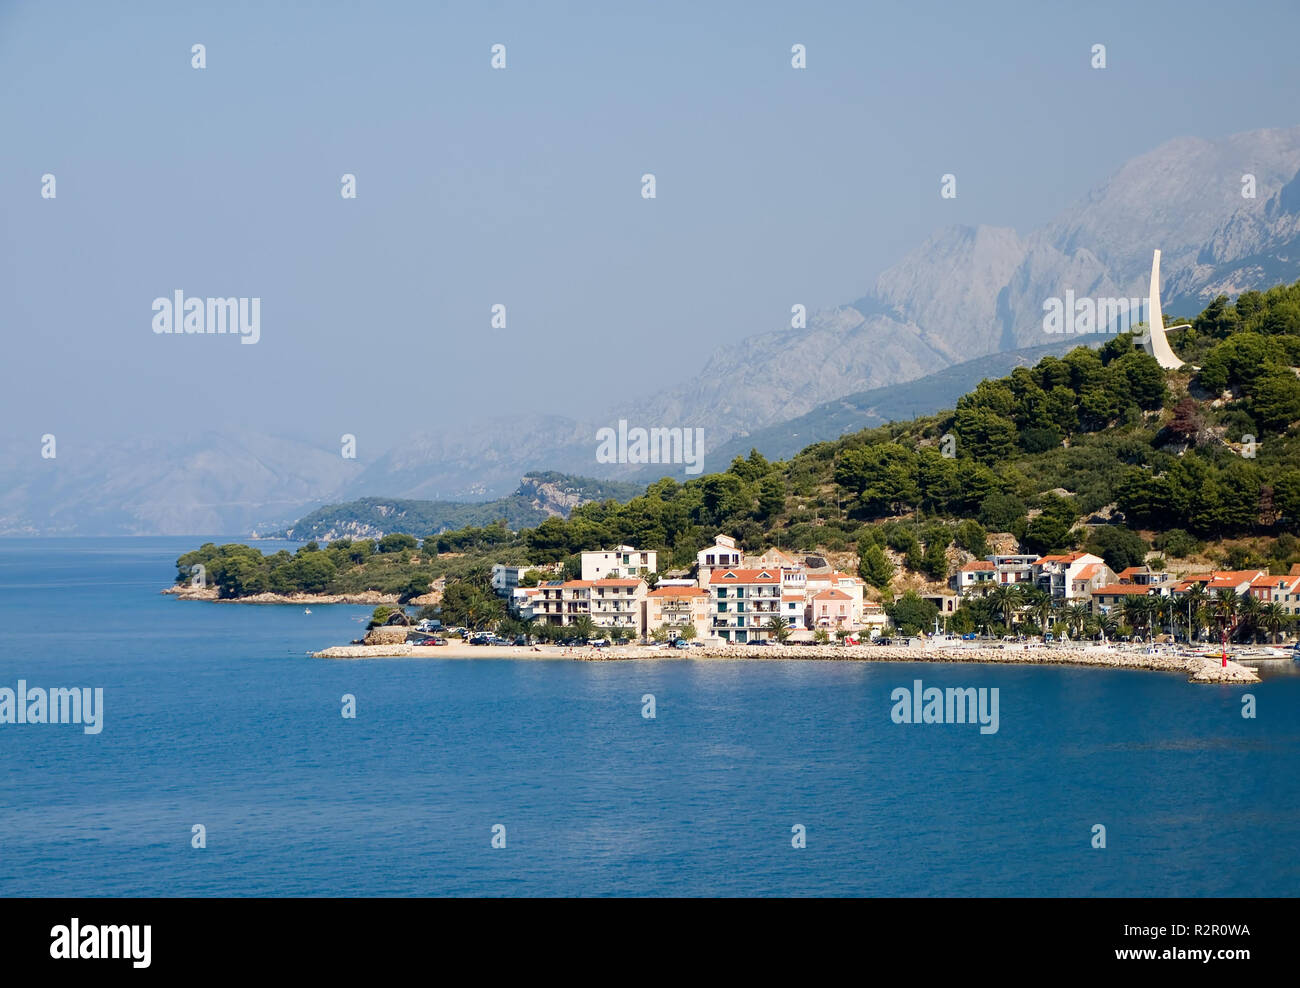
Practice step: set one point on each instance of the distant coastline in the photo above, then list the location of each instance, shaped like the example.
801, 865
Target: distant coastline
367, 597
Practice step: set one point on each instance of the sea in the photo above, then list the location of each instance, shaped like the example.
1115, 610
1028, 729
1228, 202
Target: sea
225, 766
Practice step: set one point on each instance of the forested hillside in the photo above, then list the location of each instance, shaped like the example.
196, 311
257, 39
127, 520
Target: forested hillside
1098, 448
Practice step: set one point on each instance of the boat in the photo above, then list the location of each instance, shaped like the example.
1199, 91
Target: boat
306, 610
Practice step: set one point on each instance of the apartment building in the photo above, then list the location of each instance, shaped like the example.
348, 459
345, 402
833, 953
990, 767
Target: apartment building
563, 602
1062, 575
616, 603
677, 607
742, 602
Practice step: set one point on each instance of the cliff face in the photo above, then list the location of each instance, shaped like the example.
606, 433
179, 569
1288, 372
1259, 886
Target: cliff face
554, 498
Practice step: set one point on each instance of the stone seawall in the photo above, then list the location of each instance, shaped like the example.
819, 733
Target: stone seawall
1198, 669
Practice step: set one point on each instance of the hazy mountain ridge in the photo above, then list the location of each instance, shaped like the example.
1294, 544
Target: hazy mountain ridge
963, 293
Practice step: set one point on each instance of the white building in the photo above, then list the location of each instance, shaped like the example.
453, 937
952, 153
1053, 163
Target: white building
723, 554
616, 603
1062, 575
743, 602
621, 562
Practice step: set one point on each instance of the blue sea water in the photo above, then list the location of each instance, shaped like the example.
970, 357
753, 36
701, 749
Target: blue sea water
215, 715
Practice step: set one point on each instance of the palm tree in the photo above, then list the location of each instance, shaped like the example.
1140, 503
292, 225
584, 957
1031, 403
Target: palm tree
1248, 611
583, 627
1196, 600
1041, 605
778, 628
1163, 612
1224, 607
1108, 625
1006, 599
1076, 619
1137, 612
1273, 616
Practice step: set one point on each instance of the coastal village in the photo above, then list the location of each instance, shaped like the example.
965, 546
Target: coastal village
739, 598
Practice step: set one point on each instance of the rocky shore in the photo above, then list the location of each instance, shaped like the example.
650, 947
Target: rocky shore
1198, 669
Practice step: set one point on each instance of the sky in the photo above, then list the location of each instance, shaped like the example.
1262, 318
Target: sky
522, 186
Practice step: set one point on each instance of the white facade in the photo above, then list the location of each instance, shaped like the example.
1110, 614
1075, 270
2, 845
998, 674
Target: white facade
617, 603
621, 562
723, 554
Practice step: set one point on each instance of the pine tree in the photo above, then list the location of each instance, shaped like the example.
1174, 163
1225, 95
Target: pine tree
874, 567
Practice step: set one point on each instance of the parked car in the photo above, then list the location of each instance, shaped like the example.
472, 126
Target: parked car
432, 641
681, 643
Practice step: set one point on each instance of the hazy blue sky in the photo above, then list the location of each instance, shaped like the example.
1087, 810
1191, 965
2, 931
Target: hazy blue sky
523, 186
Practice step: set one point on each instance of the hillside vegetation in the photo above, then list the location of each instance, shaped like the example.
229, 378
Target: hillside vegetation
539, 496
1098, 448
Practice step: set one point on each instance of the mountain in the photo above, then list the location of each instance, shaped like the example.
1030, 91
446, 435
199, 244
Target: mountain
538, 497
965, 293
203, 482
899, 402
1253, 247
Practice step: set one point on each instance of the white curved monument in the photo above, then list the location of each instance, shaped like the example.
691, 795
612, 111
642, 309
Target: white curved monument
1155, 342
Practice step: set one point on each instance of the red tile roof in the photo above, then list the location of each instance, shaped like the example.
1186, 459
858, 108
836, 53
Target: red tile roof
832, 595
739, 576
679, 592
977, 564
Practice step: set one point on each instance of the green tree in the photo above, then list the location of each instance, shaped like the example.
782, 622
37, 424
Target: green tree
910, 614
1120, 547
583, 627
875, 568
935, 561
778, 628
